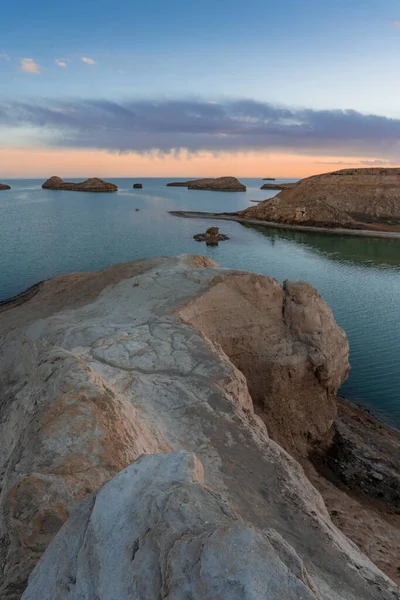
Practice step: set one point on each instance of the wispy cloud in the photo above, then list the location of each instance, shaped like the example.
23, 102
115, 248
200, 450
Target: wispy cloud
61, 63
169, 126
377, 162
4, 56
29, 65
88, 61
396, 23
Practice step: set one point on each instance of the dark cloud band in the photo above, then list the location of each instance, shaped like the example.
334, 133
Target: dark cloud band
232, 125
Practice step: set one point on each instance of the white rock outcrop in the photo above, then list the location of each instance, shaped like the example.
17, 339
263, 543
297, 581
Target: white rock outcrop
155, 531
98, 369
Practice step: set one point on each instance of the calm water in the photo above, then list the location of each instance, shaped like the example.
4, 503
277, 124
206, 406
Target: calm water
44, 233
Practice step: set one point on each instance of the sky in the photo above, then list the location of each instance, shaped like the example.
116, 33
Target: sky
256, 88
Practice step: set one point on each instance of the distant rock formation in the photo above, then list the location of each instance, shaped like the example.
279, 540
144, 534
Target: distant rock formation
211, 237
269, 179
351, 198
137, 186
156, 357
277, 186
90, 185
3, 186
178, 184
218, 184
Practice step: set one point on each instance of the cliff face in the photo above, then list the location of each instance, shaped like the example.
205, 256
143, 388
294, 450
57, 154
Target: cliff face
98, 369
351, 198
90, 185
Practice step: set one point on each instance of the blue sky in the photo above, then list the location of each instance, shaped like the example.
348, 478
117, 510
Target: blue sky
318, 55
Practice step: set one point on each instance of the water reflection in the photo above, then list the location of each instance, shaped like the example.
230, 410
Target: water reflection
371, 251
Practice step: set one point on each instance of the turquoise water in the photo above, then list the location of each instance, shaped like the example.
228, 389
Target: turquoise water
44, 233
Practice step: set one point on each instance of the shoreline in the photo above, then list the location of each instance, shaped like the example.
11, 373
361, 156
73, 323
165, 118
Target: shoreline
20, 298
338, 231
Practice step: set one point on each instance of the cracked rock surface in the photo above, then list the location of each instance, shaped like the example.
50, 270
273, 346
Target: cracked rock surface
98, 369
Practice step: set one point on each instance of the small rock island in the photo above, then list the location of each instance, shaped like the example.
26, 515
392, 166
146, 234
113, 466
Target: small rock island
211, 237
277, 186
90, 185
3, 186
137, 186
218, 184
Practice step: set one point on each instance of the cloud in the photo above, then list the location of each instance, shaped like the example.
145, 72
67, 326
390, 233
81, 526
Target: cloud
29, 65
4, 56
88, 61
368, 163
169, 126
61, 63
396, 23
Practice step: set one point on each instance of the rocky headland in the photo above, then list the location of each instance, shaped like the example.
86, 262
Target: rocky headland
367, 199
218, 184
90, 185
3, 186
167, 428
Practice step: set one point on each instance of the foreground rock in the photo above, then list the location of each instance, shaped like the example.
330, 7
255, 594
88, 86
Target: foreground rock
143, 358
219, 184
90, 185
3, 186
352, 198
178, 532
211, 237
137, 186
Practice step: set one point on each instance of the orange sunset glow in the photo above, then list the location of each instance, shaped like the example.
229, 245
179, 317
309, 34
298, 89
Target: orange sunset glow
43, 162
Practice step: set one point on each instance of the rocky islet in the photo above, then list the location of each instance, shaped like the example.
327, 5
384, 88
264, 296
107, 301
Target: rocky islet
90, 185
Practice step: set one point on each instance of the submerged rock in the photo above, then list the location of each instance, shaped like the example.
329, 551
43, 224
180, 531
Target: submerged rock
137, 186
90, 185
153, 357
211, 237
3, 186
352, 198
218, 184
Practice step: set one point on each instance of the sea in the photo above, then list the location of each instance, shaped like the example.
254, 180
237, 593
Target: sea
44, 233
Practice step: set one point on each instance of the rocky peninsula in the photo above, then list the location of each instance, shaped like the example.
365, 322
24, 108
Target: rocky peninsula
90, 185
366, 199
3, 186
218, 184
167, 428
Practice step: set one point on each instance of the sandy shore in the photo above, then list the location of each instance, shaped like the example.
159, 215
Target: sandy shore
232, 217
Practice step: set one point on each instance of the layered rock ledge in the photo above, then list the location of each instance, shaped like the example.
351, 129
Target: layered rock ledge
162, 356
218, 184
3, 186
367, 199
90, 185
